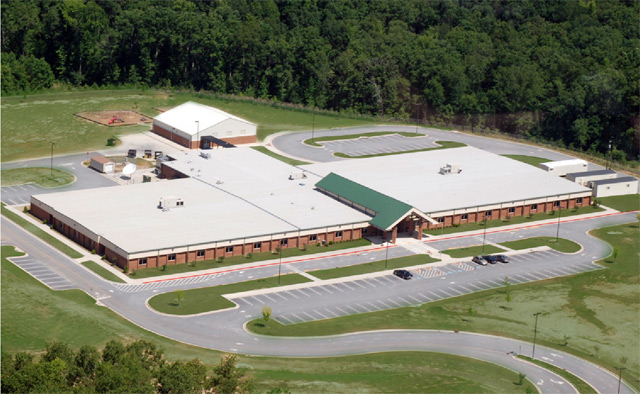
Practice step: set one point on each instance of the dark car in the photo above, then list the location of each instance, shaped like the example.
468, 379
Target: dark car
404, 274
132, 153
479, 260
502, 258
490, 259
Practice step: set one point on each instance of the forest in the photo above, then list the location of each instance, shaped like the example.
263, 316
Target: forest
565, 72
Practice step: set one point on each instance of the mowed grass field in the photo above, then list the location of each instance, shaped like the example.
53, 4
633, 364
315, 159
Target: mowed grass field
45, 177
29, 123
595, 314
32, 315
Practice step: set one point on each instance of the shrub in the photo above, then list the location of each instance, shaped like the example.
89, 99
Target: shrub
25, 209
164, 267
303, 247
93, 251
248, 255
126, 269
220, 259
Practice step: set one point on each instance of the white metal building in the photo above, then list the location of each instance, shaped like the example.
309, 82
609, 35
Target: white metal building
187, 123
102, 164
615, 187
583, 178
564, 167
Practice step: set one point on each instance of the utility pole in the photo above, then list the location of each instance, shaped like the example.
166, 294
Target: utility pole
313, 125
51, 166
620, 376
559, 215
386, 256
535, 331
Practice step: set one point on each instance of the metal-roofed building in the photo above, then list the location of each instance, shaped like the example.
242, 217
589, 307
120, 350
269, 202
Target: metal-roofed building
187, 123
583, 178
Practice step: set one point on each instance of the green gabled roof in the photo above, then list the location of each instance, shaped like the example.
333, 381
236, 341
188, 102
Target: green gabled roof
388, 210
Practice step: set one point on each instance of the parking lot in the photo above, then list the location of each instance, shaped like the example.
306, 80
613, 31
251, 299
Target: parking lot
19, 194
376, 145
42, 273
324, 301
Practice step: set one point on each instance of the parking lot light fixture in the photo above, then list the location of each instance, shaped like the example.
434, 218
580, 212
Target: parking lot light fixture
198, 133
559, 215
386, 256
620, 376
51, 166
484, 234
535, 331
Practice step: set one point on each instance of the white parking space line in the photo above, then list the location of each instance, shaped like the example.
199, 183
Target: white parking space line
336, 287
347, 286
302, 292
354, 310
298, 318
256, 300
386, 306
443, 291
357, 284
324, 288
271, 299
313, 290
342, 310
415, 299
466, 289
456, 290
330, 312
361, 306
369, 282
318, 312
290, 293
384, 279
281, 296
284, 318
395, 303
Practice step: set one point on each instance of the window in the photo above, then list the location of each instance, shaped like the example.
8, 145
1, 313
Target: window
556, 204
314, 237
465, 216
200, 253
512, 210
488, 214
534, 207
180, 203
257, 245
229, 249
579, 201
338, 234
284, 242
172, 257
142, 261
440, 220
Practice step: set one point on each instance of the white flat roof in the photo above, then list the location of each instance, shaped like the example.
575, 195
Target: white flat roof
414, 178
240, 193
184, 117
264, 182
560, 163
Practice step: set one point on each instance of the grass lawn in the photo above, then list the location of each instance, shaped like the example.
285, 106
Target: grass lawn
472, 251
443, 145
29, 123
582, 386
43, 235
105, 273
514, 220
595, 313
314, 141
374, 266
235, 260
562, 245
532, 160
629, 202
28, 303
207, 299
39, 175
285, 159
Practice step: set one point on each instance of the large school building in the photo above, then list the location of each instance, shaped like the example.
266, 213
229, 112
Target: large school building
229, 202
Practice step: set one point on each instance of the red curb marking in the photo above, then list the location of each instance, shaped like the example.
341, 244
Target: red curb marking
270, 264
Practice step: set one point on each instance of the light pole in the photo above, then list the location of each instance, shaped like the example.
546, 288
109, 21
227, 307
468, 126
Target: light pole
386, 256
313, 125
535, 331
51, 166
620, 376
559, 215
484, 234
280, 264
198, 132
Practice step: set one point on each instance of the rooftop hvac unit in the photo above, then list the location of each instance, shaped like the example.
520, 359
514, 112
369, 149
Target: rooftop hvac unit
167, 203
451, 168
206, 155
297, 175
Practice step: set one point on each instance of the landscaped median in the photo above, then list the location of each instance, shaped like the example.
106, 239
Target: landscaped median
103, 272
45, 177
328, 138
374, 266
560, 244
190, 302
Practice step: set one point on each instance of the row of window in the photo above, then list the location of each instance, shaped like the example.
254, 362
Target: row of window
512, 210
229, 249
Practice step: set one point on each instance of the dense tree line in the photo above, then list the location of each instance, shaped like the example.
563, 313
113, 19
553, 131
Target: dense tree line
139, 367
565, 71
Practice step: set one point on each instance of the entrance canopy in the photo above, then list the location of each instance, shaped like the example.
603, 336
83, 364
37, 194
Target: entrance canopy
387, 212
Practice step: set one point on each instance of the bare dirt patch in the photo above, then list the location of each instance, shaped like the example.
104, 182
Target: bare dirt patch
115, 118
162, 109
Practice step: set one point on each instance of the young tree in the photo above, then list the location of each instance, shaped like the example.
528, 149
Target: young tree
266, 313
228, 379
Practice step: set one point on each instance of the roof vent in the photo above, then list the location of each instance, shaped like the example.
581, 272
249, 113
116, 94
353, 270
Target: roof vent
167, 203
297, 175
451, 168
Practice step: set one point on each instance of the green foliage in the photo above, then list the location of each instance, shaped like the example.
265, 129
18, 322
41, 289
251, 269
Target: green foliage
554, 71
266, 313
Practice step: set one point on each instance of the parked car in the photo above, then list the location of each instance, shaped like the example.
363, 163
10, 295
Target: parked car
132, 153
404, 274
490, 259
147, 153
479, 260
502, 258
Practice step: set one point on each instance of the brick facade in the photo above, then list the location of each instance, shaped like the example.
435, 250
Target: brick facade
178, 139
